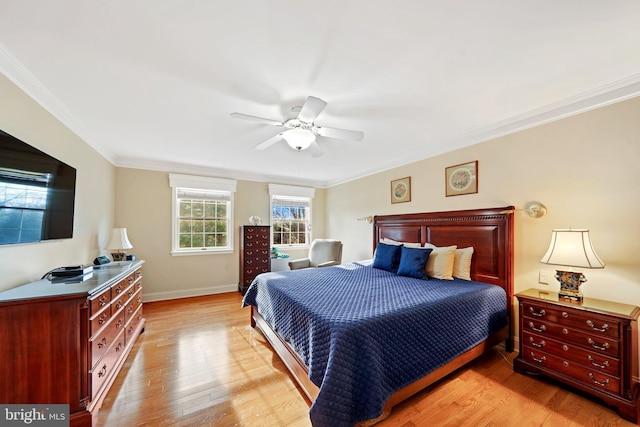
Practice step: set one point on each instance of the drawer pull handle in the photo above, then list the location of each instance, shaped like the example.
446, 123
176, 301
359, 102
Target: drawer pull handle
540, 360
540, 329
565, 314
598, 347
600, 383
540, 313
103, 318
102, 301
604, 364
102, 342
118, 289
604, 328
102, 372
535, 344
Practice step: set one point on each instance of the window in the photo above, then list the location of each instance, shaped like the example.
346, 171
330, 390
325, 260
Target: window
23, 203
290, 215
202, 214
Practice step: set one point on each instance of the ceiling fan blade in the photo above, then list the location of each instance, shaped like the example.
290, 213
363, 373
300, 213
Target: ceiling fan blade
256, 119
315, 150
351, 135
269, 142
311, 109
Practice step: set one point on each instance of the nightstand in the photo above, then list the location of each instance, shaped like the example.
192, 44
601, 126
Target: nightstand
592, 346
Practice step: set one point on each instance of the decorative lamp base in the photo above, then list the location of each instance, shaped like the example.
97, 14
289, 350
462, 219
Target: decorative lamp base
570, 284
117, 256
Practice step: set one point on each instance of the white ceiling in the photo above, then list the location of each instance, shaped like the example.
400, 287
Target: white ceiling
151, 83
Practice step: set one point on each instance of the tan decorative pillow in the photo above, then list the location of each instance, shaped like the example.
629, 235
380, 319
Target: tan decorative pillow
397, 243
462, 263
440, 263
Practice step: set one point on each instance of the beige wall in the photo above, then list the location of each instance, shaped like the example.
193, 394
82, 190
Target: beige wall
143, 199
23, 118
583, 168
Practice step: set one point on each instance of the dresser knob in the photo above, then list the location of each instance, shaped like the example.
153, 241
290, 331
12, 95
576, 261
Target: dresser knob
596, 382
604, 327
539, 360
542, 328
565, 364
595, 345
565, 314
540, 313
535, 344
565, 347
602, 365
565, 331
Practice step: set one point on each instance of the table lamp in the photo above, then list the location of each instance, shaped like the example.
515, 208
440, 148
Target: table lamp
118, 242
571, 248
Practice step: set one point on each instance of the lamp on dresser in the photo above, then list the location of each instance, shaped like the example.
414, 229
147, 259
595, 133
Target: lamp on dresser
571, 248
119, 242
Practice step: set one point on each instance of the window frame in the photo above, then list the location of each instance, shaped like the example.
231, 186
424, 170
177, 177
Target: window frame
200, 183
293, 192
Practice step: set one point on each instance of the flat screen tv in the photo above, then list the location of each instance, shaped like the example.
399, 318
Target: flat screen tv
37, 194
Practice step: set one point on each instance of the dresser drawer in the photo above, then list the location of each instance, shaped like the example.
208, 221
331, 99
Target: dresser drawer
130, 331
105, 366
576, 319
133, 305
100, 320
100, 301
600, 344
590, 359
101, 342
567, 368
120, 287
257, 253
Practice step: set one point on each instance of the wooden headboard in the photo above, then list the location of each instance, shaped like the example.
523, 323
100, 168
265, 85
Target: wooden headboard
488, 231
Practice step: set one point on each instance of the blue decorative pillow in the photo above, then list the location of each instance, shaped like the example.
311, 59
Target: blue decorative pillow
413, 262
387, 257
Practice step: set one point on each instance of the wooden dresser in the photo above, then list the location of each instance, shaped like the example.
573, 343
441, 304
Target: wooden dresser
64, 342
592, 346
255, 253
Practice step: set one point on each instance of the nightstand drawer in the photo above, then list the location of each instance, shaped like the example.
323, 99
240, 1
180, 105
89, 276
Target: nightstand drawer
601, 344
576, 319
567, 368
589, 359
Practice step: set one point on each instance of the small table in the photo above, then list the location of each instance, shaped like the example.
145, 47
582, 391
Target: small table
590, 345
280, 264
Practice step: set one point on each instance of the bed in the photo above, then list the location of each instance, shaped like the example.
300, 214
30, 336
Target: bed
359, 340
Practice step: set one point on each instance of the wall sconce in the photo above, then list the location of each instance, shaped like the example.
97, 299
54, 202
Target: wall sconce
118, 242
369, 219
532, 209
571, 248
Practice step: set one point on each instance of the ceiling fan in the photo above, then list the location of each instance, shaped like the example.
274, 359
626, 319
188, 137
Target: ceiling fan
301, 132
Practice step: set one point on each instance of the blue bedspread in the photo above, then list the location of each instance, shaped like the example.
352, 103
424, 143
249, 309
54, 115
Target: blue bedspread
365, 333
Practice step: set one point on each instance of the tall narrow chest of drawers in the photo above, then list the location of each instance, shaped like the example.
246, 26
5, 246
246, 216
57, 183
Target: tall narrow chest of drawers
591, 345
64, 342
255, 253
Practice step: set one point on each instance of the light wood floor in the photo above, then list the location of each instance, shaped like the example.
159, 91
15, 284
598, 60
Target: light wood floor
199, 363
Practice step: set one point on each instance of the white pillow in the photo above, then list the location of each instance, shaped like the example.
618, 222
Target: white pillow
440, 263
397, 243
462, 263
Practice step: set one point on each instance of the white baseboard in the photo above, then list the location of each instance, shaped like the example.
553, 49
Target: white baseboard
186, 293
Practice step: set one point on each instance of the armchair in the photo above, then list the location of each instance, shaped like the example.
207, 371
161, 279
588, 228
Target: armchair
322, 253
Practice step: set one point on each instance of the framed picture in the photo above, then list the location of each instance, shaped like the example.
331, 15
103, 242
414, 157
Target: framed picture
401, 190
461, 179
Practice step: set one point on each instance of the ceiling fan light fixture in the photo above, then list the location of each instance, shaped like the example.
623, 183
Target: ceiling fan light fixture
299, 139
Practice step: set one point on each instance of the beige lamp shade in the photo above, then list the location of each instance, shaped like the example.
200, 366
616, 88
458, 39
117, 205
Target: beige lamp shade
119, 240
571, 248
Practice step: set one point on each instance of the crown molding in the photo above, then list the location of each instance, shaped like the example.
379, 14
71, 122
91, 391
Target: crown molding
28, 83
600, 97
182, 168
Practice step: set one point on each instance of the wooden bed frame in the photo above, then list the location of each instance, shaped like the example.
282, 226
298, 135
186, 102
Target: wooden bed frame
488, 231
